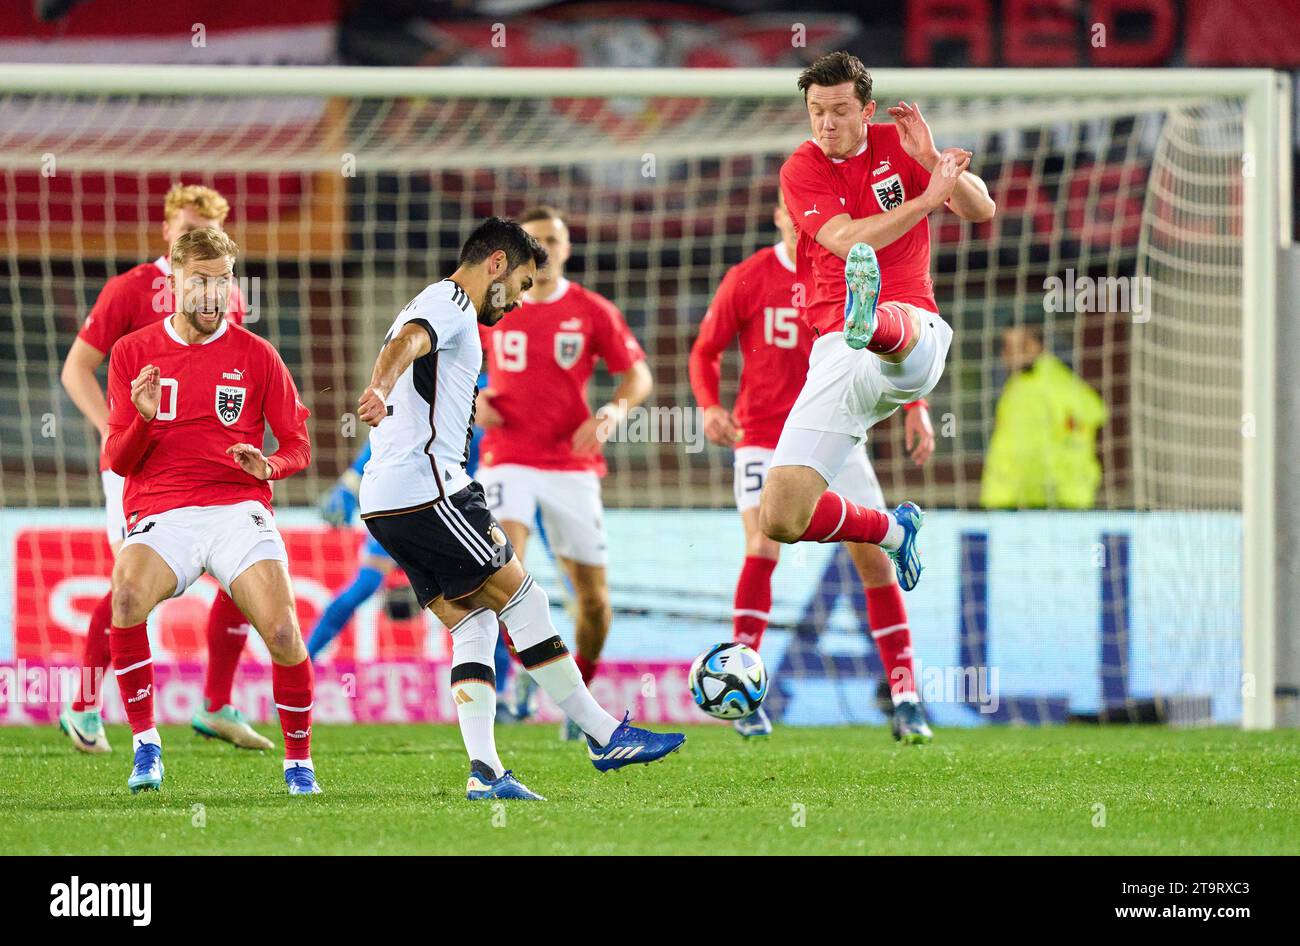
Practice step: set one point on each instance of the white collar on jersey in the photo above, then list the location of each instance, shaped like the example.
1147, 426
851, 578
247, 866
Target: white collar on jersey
165, 264
784, 257
171, 330
866, 139
561, 287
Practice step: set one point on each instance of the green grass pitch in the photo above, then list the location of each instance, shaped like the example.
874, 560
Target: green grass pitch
399, 790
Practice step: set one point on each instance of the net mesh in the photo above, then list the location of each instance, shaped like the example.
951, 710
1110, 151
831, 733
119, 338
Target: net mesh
345, 207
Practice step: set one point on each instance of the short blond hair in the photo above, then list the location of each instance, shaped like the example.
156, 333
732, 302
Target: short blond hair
202, 244
206, 201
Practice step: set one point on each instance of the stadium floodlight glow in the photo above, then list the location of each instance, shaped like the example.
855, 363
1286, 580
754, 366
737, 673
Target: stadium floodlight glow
715, 142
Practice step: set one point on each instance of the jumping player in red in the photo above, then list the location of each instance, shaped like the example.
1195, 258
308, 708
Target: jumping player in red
129, 302
189, 400
755, 303
543, 454
859, 188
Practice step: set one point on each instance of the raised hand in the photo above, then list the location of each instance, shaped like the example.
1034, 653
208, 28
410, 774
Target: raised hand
146, 391
913, 131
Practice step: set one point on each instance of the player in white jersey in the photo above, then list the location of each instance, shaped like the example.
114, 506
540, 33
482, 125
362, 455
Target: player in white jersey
422, 506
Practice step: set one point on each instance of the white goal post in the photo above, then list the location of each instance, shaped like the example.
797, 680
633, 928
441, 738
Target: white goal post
1264, 187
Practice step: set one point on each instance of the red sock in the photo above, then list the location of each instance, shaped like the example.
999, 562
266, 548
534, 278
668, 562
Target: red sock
753, 601
888, 619
835, 519
893, 329
292, 689
227, 634
96, 657
586, 667
133, 666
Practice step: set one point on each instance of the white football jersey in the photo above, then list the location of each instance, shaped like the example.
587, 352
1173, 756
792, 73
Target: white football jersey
418, 452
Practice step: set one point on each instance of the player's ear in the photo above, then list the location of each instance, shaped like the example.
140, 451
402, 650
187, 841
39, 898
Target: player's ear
869, 110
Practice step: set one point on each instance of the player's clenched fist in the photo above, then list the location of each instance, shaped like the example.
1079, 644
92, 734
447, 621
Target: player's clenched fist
146, 391
371, 407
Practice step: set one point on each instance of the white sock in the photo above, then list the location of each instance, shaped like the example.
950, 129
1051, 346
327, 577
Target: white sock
547, 660
305, 763
473, 686
149, 737
476, 710
581, 707
893, 535
905, 696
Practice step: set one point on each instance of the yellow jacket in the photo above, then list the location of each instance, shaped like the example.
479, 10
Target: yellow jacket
1043, 453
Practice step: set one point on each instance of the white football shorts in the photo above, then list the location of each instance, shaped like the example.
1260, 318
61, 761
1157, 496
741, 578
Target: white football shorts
856, 480
115, 516
850, 391
569, 501
220, 540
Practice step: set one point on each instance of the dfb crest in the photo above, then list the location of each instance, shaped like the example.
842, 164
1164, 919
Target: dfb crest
568, 348
889, 192
230, 403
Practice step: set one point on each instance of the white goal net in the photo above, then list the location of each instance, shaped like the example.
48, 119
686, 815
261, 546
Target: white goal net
1121, 240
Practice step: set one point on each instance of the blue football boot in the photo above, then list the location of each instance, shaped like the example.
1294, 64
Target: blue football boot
301, 780
147, 773
480, 787
862, 277
629, 746
907, 560
910, 727
755, 724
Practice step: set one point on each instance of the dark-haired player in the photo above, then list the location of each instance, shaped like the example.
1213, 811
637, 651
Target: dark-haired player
755, 304
541, 457
428, 513
860, 193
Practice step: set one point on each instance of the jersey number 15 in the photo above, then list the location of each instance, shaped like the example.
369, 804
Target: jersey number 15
781, 327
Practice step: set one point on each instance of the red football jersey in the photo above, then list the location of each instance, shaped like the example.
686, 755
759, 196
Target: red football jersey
132, 300
214, 395
540, 358
878, 178
755, 303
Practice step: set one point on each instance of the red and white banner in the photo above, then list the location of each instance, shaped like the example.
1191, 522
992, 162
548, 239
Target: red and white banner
60, 573
380, 670
389, 691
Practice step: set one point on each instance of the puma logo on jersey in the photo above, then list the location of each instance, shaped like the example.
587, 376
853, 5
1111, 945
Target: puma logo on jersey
809, 213
236, 375
572, 323
881, 168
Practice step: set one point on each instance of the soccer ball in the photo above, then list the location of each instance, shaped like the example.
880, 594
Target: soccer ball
728, 680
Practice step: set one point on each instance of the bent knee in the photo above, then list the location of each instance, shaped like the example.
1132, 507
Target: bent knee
283, 636
781, 525
129, 602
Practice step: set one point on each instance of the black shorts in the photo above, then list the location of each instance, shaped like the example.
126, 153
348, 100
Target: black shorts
448, 548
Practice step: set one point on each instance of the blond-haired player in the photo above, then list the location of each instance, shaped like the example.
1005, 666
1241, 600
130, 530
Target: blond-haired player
128, 302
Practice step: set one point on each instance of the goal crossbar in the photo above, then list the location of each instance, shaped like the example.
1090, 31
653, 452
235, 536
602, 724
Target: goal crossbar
1265, 173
